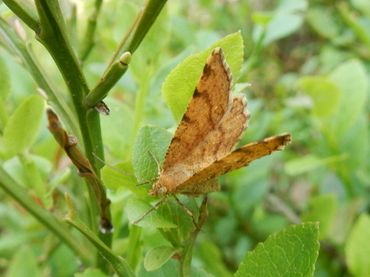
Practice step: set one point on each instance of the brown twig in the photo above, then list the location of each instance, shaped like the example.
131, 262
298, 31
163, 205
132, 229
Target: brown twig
69, 144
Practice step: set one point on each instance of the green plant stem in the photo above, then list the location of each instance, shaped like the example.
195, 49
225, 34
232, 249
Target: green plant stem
52, 35
25, 12
17, 46
89, 37
134, 246
123, 42
109, 79
150, 13
71, 25
139, 28
187, 253
118, 263
16, 191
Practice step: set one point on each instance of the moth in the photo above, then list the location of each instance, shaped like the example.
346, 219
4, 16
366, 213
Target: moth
202, 146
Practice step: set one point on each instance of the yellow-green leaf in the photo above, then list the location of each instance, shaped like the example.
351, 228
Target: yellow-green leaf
181, 82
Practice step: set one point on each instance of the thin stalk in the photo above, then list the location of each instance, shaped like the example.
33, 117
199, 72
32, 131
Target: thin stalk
69, 144
53, 36
134, 246
15, 190
187, 253
25, 12
119, 264
109, 79
139, 28
150, 14
123, 42
88, 41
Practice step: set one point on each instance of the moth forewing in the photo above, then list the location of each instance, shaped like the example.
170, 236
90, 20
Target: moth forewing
201, 148
238, 158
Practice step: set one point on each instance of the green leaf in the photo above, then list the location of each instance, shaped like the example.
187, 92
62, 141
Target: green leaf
322, 209
284, 21
358, 247
121, 176
181, 82
91, 272
282, 26
323, 22
324, 93
15, 240
171, 268
352, 81
136, 208
23, 126
356, 144
149, 149
212, 258
63, 262
24, 263
310, 162
291, 252
116, 131
158, 256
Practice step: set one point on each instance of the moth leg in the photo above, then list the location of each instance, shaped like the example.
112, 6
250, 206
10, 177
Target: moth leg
156, 206
203, 211
186, 209
112, 167
147, 182
158, 168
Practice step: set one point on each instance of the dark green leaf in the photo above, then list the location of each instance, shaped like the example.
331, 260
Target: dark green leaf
291, 252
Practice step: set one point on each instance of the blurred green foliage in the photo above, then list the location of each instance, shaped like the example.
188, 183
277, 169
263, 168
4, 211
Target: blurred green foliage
308, 63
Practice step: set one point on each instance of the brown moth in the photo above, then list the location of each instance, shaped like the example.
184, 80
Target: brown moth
202, 147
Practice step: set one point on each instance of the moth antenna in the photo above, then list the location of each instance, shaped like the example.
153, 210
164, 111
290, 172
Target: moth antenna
112, 167
186, 209
147, 182
156, 206
156, 161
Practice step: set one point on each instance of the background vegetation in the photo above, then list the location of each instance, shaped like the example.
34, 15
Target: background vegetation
308, 63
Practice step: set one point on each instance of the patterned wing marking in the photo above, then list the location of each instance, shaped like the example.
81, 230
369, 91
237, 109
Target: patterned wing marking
239, 158
206, 108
